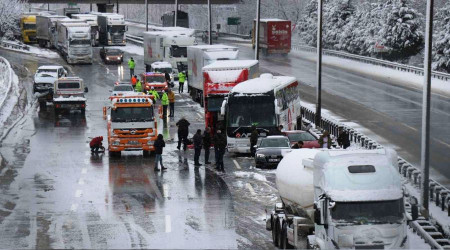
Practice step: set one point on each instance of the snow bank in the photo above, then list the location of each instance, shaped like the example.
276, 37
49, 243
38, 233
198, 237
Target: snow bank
256, 176
9, 94
380, 73
40, 52
130, 48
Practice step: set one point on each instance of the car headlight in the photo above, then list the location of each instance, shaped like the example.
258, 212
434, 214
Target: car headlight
115, 143
150, 142
260, 156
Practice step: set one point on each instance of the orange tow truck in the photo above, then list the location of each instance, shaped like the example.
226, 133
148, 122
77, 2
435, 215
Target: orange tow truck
132, 124
155, 80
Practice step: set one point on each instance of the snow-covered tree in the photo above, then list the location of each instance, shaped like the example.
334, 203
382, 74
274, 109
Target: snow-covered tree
10, 11
307, 25
402, 33
337, 14
441, 46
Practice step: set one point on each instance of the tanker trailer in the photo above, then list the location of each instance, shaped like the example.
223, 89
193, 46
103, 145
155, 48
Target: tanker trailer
335, 199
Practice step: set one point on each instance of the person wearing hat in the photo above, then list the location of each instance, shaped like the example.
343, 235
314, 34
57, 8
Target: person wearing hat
220, 144
171, 95
253, 140
164, 103
96, 144
154, 93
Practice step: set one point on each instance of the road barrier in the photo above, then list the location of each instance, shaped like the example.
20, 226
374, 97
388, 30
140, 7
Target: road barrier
438, 193
373, 61
13, 45
135, 39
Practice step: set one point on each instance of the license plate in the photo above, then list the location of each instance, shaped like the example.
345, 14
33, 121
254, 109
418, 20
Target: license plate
133, 143
273, 160
70, 106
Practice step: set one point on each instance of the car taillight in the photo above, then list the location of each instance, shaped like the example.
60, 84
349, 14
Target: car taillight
58, 106
83, 105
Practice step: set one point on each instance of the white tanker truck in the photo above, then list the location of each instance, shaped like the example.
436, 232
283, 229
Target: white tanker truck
334, 199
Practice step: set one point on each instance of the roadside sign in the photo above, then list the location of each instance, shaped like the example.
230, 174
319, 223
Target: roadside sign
380, 48
234, 21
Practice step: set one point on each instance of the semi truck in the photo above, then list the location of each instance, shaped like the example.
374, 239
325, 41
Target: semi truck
168, 19
46, 30
335, 199
169, 46
111, 29
91, 19
74, 42
218, 79
201, 55
274, 36
28, 27
68, 11
131, 125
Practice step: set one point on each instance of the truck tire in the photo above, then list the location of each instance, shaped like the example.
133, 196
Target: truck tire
283, 237
83, 111
202, 101
57, 111
275, 229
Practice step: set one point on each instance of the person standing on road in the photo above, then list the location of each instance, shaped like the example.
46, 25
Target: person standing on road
183, 131
171, 103
343, 138
96, 144
165, 103
253, 140
197, 147
207, 144
325, 140
221, 142
159, 145
181, 80
167, 77
134, 81
131, 66
154, 93
138, 87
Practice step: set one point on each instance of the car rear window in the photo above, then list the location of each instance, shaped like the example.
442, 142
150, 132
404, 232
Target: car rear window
69, 85
301, 137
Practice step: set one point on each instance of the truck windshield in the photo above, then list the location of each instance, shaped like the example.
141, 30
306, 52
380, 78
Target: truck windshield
29, 26
80, 42
363, 213
153, 79
177, 51
68, 85
47, 70
117, 29
132, 114
245, 111
163, 70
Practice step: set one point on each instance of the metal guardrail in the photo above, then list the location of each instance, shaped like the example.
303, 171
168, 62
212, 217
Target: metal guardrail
135, 39
8, 44
374, 61
438, 193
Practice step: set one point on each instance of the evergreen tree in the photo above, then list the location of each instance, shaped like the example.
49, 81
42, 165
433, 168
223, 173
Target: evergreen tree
441, 46
307, 26
337, 14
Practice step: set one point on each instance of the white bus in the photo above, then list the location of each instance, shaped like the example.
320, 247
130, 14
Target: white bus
266, 102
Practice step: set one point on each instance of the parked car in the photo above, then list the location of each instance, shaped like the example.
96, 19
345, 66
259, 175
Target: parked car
45, 77
270, 150
215, 36
309, 141
111, 55
123, 89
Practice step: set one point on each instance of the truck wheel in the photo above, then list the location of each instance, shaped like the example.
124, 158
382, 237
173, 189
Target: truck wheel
146, 153
202, 102
275, 229
43, 105
284, 240
57, 112
83, 111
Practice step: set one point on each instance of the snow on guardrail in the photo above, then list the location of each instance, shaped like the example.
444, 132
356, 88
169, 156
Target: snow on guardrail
438, 193
374, 61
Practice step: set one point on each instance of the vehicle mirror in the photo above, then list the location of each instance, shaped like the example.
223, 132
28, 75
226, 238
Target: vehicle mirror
277, 108
414, 212
222, 108
86, 89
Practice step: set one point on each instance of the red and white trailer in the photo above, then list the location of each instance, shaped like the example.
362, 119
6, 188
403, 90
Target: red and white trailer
274, 36
218, 80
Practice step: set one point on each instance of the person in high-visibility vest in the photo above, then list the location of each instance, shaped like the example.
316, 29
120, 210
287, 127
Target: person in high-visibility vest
181, 80
165, 103
154, 93
131, 66
138, 87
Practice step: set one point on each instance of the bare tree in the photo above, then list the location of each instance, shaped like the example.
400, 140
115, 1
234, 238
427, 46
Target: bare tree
10, 11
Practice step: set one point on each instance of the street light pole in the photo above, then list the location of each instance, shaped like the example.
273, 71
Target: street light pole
209, 23
256, 35
176, 14
425, 148
319, 64
146, 15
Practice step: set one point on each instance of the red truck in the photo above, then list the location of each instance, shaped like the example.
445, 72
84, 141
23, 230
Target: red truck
218, 80
274, 36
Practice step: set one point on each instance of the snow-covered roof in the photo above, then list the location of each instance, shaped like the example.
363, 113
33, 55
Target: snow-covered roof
50, 67
271, 20
158, 65
222, 54
224, 76
171, 33
262, 84
230, 65
213, 47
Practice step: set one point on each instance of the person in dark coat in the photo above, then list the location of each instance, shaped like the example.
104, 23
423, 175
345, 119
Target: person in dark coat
221, 142
325, 140
207, 144
159, 145
167, 76
198, 140
96, 144
298, 145
278, 131
253, 140
343, 138
183, 131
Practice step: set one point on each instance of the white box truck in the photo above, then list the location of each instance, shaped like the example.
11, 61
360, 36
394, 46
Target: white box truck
335, 199
74, 42
91, 19
46, 29
201, 55
69, 11
169, 46
111, 29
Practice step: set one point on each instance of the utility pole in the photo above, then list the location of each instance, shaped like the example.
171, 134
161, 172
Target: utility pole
48, 7
319, 64
256, 35
176, 14
209, 23
117, 2
425, 148
146, 15
91, 7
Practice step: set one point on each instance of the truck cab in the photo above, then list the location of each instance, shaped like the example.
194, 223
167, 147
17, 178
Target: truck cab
28, 28
132, 124
69, 95
163, 67
155, 80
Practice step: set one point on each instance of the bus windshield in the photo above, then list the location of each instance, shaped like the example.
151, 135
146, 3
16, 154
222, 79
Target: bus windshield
245, 111
135, 114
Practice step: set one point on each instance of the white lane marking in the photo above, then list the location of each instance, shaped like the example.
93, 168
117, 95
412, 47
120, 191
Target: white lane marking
78, 193
168, 224
84, 171
237, 164
199, 115
81, 181
250, 188
165, 190
446, 144
74, 207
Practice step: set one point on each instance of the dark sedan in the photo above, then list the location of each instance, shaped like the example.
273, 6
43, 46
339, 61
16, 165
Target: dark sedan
270, 151
111, 55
